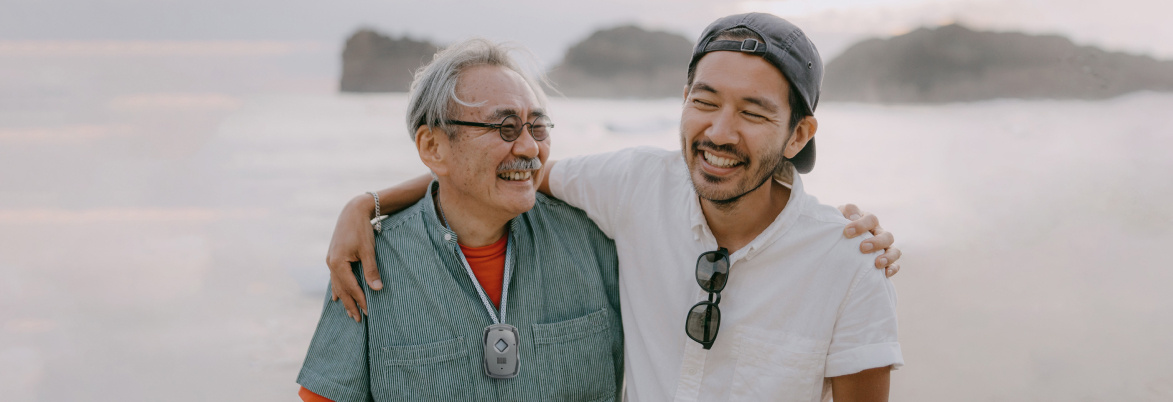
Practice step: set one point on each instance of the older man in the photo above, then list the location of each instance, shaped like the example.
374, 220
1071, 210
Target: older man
497, 293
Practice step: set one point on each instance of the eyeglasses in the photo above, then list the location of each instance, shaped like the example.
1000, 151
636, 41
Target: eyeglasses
511, 127
704, 318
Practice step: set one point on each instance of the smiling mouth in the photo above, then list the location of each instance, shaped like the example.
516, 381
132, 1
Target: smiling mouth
516, 176
720, 162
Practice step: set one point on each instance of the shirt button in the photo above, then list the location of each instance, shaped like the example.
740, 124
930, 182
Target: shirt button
447, 237
692, 371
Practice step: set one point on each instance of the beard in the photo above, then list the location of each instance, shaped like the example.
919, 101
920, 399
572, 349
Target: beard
708, 187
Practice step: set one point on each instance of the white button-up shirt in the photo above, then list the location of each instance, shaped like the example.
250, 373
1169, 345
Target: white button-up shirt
802, 304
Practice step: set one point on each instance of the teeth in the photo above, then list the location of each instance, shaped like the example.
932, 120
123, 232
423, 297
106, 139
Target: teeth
719, 161
516, 176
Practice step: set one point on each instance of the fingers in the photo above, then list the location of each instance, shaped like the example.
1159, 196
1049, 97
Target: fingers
881, 240
353, 291
339, 288
352, 296
887, 262
859, 225
889, 258
850, 211
371, 272
345, 288
360, 299
370, 269
351, 307
892, 270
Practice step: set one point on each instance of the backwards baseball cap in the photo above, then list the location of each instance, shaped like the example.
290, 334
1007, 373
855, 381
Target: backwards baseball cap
786, 47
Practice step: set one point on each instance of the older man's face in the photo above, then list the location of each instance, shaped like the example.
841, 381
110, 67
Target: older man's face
734, 124
479, 154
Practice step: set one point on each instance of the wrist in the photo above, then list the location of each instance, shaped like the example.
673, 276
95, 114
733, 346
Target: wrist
362, 204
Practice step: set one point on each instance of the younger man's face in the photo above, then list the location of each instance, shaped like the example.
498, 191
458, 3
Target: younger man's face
734, 125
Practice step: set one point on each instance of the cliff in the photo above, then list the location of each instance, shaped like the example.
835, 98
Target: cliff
624, 62
621, 62
952, 63
375, 63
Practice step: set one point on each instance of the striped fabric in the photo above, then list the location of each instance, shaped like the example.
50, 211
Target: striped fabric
422, 339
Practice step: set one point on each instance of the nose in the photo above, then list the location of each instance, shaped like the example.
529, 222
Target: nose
525, 145
723, 130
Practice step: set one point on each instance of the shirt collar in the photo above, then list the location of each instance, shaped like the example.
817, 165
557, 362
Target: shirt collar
440, 235
782, 223
438, 232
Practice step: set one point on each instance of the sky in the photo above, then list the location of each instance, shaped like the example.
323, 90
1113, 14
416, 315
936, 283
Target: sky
549, 27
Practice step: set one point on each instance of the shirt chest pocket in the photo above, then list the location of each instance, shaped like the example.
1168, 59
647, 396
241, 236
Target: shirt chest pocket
777, 366
420, 372
576, 358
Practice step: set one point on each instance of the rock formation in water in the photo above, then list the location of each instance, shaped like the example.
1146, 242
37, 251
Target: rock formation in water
952, 63
624, 62
375, 63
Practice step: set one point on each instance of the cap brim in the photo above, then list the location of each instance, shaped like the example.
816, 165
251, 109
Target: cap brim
805, 160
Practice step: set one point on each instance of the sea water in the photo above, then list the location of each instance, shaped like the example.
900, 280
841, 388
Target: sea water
162, 244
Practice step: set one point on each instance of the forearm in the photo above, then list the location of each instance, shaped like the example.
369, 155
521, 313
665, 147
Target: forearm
395, 198
870, 385
544, 178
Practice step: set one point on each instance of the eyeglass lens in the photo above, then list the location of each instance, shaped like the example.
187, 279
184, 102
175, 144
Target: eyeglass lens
511, 128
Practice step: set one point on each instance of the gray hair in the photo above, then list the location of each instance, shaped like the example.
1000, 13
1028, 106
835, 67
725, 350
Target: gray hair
433, 92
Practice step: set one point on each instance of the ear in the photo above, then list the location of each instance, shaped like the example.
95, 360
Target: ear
803, 133
433, 146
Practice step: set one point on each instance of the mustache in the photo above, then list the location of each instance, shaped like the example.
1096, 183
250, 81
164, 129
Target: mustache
725, 148
520, 164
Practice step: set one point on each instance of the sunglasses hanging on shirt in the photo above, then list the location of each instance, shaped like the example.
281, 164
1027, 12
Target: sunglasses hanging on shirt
704, 318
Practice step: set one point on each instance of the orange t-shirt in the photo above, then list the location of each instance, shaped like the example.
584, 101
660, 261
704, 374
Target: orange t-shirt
488, 265
309, 396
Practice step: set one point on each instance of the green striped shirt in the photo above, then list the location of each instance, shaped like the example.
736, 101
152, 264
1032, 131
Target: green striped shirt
422, 339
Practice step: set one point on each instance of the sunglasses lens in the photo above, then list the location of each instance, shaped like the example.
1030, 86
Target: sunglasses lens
712, 271
703, 322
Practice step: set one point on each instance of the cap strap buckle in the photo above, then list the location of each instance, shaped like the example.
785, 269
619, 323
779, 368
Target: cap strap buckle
749, 45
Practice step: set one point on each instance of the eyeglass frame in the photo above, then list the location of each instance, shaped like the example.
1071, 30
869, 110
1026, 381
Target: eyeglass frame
724, 254
524, 126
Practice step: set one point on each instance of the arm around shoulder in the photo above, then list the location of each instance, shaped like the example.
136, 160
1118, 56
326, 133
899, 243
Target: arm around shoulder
604, 185
544, 178
353, 241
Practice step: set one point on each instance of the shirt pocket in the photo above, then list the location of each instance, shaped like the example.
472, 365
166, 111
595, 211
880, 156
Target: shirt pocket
576, 360
777, 366
420, 372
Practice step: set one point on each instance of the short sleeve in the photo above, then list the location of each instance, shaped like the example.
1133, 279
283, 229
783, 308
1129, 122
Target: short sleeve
865, 334
600, 184
336, 365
